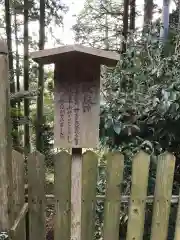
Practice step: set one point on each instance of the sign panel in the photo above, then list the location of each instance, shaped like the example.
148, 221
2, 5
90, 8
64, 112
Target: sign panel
77, 108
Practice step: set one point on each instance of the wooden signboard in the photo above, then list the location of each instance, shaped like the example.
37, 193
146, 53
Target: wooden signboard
77, 107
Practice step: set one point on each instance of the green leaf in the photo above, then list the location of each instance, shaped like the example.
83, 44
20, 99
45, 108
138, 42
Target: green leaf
108, 123
117, 126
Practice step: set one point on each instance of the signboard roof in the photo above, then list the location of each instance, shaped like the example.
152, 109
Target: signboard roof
53, 55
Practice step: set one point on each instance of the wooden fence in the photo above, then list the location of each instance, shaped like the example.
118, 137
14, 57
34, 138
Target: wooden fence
37, 199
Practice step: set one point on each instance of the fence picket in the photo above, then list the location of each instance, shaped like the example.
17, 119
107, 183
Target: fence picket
162, 196
115, 166
18, 191
177, 229
62, 178
140, 173
89, 179
36, 196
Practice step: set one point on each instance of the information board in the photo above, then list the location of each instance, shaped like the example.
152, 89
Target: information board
77, 109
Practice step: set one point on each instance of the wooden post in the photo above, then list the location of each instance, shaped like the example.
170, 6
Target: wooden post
62, 175
115, 167
5, 143
162, 196
18, 229
88, 207
76, 193
36, 196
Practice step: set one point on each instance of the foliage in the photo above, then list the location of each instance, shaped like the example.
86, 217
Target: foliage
99, 24
47, 139
141, 98
48, 118
3, 236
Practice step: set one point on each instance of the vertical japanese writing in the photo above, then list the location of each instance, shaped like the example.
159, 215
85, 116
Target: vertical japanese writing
62, 114
88, 91
62, 90
76, 116
69, 114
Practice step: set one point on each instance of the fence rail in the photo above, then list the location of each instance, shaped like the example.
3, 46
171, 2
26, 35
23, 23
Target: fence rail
124, 199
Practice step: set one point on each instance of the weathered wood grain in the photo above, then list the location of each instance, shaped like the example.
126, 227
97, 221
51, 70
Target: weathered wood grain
124, 199
18, 172
76, 194
53, 55
162, 196
62, 183
6, 213
36, 196
140, 173
177, 229
77, 105
18, 223
89, 180
115, 167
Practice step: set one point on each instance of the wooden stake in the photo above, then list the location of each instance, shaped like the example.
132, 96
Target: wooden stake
6, 216
76, 193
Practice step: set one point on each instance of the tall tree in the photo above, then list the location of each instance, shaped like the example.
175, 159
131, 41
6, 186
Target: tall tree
125, 25
98, 21
132, 14
11, 69
9, 43
178, 7
148, 14
17, 58
39, 123
26, 78
106, 41
165, 20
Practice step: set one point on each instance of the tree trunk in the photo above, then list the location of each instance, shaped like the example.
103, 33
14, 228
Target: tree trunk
17, 63
17, 52
165, 20
132, 21
178, 8
9, 43
132, 15
11, 70
125, 26
26, 79
39, 123
106, 42
148, 14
